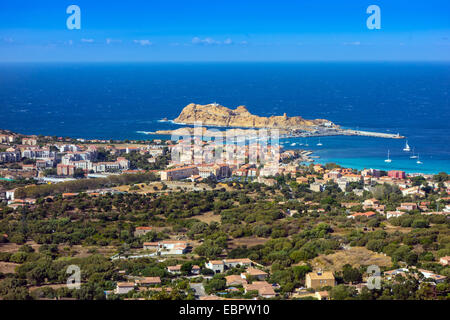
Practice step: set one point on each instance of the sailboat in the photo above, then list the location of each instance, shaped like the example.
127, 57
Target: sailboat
320, 143
306, 143
407, 148
418, 160
413, 155
388, 160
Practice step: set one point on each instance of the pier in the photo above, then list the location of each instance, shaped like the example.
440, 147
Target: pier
372, 134
341, 132
283, 133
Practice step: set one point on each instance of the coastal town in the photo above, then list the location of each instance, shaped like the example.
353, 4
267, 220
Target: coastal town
197, 220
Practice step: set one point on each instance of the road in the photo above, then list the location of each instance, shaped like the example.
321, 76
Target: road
116, 256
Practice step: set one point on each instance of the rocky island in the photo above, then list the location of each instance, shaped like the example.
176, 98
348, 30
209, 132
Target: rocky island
243, 123
220, 116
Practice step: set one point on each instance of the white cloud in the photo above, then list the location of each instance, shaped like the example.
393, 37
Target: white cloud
206, 41
110, 41
143, 42
354, 43
211, 41
87, 40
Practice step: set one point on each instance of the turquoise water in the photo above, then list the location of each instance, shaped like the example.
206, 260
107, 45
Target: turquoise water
121, 101
355, 152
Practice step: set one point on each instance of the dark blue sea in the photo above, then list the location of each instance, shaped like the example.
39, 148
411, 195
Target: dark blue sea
120, 101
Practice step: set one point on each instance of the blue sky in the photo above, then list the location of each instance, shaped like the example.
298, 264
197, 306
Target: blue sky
219, 30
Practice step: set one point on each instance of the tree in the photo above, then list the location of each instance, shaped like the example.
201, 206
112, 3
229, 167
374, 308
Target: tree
417, 181
50, 172
366, 294
375, 245
350, 274
209, 249
14, 289
90, 291
215, 284
78, 173
20, 193
342, 292
301, 271
411, 258
186, 267
425, 292
404, 290
26, 248
207, 272
18, 257
441, 177
419, 223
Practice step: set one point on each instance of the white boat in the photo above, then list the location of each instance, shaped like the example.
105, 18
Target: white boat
418, 160
407, 148
306, 143
293, 144
413, 155
388, 160
320, 143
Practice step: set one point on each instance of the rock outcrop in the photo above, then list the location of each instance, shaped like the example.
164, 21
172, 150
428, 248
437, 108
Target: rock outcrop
217, 115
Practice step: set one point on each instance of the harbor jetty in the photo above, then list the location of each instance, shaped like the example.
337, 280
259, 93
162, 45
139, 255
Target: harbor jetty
283, 134
323, 132
373, 134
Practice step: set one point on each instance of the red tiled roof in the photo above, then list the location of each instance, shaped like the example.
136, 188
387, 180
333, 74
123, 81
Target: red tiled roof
364, 214
143, 228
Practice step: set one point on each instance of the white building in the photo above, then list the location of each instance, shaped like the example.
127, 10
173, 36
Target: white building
219, 266
394, 214
10, 194
124, 287
215, 265
445, 261
178, 173
174, 269
167, 247
231, 263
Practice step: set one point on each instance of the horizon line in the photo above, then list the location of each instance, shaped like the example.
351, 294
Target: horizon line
222, 61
